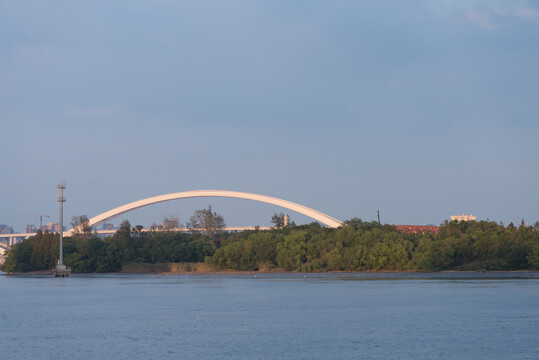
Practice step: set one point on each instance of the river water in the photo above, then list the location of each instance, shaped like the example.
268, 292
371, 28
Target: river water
271, 316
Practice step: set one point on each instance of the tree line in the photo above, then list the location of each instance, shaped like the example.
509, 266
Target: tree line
85, 252
358, 246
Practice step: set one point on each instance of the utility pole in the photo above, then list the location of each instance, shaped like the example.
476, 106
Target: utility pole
379, 217
61, 200
61, 270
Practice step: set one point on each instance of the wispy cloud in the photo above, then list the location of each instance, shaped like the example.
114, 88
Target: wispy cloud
527, 13
490, 14
482, 18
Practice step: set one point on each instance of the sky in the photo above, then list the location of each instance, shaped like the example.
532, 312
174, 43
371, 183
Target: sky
418, 109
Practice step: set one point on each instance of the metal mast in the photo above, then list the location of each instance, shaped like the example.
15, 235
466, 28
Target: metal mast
61, 200
61, 270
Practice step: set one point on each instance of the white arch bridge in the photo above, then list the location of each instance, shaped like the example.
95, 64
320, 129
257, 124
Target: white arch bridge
314, 214
108, 215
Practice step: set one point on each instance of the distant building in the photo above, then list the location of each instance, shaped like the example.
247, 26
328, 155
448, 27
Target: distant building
463, 217
414, 229
107, 226
30, 229
51, 227
171, 223
4, 229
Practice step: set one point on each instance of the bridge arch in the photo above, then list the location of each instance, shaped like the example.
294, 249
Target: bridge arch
314, 214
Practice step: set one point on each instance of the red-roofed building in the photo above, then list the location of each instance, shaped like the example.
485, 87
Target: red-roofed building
415, 229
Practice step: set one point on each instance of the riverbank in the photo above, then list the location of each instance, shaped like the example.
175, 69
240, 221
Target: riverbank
188, 268
208, 269
385, 274
39, 272
322, 276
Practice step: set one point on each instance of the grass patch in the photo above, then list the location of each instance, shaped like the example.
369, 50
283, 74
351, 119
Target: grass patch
175, 268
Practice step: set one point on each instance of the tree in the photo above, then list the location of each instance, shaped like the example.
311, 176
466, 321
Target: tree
18, 257
45, 250
137, 231
81, 226
533, 258
280, 221
124, 233
292, 253
207, 221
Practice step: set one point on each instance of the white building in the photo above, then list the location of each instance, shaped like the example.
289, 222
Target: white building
463, 217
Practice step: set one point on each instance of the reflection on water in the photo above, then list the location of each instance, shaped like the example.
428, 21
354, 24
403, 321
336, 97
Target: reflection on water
268, 316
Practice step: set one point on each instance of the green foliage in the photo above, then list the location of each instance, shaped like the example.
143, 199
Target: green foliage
533, 258
292, 252
278, 220
281, 221
45, 250
81, 226
359, 246
207, 221
369, 246
258, 250
37, 253
18, 257
86, 254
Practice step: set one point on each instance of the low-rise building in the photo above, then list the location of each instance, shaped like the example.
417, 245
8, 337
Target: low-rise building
51, 227
463, 217
4, 229
107, 226
169, 224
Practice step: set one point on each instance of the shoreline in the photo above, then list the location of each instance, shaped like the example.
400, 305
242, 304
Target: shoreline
445, 273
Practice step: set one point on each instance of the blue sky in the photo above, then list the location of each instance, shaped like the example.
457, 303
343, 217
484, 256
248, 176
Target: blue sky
419, 109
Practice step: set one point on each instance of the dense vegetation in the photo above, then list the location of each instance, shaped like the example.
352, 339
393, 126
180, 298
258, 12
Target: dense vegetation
360, 246
87, 253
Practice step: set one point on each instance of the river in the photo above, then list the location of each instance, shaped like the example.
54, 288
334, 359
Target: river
271, 316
